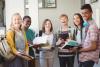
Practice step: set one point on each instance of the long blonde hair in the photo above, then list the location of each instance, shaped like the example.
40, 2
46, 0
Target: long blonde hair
11, 25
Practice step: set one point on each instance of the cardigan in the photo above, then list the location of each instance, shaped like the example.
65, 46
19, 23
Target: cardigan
10, 36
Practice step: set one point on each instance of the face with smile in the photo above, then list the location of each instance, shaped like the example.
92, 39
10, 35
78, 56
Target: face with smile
47, 26
76, 20
86, 14
64, 20
27, 22
16, 21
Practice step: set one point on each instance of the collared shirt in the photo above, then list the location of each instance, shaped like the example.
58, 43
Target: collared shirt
91, 35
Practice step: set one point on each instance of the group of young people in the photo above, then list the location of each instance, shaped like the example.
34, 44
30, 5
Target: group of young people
85, 32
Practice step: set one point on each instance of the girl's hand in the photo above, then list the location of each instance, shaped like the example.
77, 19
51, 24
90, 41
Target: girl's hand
60, 41
24, 56
36, 46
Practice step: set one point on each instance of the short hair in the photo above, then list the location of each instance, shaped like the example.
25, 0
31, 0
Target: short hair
87, 6
26, 17
63, 15
43, 25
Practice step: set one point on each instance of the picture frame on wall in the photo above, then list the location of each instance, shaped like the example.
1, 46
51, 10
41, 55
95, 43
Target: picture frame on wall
50, 3
47, 4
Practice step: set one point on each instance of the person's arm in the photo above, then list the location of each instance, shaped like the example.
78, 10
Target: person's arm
10, 39
54, 42
93, 34
91, 48
26, 48
10, 36
33, 35
60, 41
26, 45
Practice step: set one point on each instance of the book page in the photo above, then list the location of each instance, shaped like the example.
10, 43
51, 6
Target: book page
40, 40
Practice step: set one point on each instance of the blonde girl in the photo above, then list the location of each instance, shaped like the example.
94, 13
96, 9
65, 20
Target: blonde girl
16, 39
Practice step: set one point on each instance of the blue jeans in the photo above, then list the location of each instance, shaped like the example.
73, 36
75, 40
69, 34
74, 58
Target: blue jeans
86, 64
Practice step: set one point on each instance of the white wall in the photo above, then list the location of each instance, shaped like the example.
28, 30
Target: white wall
96, 11
68, 7
33, 12
11, 7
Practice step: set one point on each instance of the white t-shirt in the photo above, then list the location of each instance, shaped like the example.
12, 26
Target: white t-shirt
49, 38
78, 36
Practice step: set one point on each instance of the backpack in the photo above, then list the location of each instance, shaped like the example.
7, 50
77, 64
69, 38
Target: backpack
5, 50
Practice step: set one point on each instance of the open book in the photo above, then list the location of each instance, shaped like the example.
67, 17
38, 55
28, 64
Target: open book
70, 44
42, 42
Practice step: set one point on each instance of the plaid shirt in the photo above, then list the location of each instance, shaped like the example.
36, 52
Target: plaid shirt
91, 35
